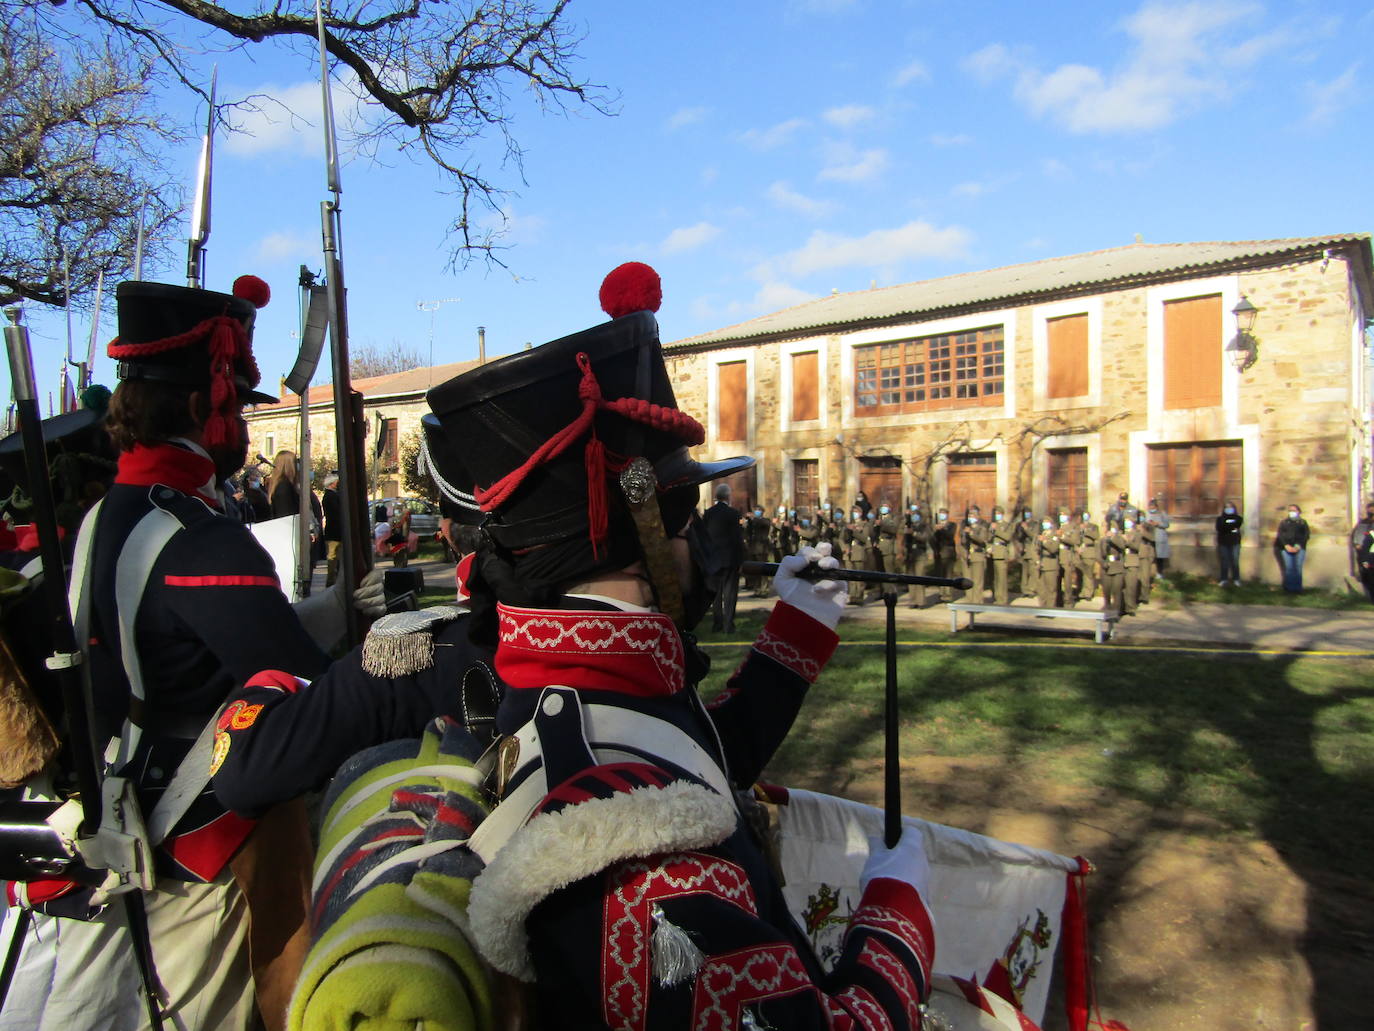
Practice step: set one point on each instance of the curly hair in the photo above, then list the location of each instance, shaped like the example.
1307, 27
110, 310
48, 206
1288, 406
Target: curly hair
144, 411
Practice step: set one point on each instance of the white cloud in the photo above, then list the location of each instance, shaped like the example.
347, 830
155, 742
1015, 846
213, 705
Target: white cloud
959, 139
1177, 62
286, 245
1329, 98
287, 118
689, 238
773, 296
849, 115
685, 116
773, 136
845, 164
782, 194
882, 247
915, 71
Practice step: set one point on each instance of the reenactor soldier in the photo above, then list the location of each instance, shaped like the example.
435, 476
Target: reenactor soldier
1047, 563
885, 530
1146, 530
779, 534
757, 530
1133, 561
1088, 556
916, 553
830, 528
1027, 529
944, 541
974, 537
999, 553
1111, 553
1070, 567
810, 531
856, 542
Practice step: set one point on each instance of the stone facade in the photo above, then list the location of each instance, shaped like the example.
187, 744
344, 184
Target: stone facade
1299, 414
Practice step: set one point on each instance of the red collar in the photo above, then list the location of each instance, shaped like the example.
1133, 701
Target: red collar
632, 653
173, 466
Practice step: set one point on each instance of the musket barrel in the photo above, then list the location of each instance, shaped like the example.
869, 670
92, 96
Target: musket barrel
868, 576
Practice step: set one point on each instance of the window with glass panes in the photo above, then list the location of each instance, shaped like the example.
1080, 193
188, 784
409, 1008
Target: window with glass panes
952, 370
1194, 480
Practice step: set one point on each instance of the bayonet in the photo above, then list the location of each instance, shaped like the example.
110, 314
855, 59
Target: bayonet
138, 240
200, 210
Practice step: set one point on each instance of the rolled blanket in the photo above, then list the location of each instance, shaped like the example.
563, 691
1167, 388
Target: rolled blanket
387, 953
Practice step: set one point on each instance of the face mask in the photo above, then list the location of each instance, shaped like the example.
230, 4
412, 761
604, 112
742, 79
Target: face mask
972, 520
806, 523
1045, 525
856, 516
872, 516
1127, 523
1063, 519
1229, 510
997, 517
944, 516
884, 510
1292, 515
1026, 514
826, 506
792, 514
758, 511
915, 517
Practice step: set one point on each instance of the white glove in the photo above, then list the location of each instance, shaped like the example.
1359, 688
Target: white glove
823, 600
370, 598
907, 862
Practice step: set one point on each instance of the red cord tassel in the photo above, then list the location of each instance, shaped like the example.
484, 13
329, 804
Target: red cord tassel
1074, 928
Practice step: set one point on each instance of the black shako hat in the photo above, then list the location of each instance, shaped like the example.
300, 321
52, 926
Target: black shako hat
545, 433
195, 338
444, 464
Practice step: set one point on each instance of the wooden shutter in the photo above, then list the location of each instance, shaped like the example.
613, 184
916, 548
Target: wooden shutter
881, 480
972, 480
732, 399
1192, 352
1067, 473
1194, 480
1067, 344
805, 485
805, 386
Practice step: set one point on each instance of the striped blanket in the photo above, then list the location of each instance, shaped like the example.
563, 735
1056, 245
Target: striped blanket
389, 945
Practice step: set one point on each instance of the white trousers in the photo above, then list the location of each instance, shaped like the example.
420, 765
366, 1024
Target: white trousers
75, 975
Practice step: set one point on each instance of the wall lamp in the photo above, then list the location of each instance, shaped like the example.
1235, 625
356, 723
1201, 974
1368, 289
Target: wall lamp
1244, 348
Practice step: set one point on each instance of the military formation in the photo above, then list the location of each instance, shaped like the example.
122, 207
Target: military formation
1060, 560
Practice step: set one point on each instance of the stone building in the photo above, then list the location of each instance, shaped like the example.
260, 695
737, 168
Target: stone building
392, 404
1058, 383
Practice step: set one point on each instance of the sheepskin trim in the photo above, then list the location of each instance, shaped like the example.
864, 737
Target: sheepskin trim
555, 849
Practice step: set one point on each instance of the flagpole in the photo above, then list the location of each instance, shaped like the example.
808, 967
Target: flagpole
354, 558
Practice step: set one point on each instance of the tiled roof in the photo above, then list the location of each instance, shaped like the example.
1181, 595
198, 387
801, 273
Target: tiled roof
411, 381
1119, 265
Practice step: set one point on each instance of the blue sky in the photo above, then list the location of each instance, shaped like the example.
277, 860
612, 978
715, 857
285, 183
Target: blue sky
766, 153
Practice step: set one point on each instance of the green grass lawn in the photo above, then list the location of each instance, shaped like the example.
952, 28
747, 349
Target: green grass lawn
1278, 747
1181, 588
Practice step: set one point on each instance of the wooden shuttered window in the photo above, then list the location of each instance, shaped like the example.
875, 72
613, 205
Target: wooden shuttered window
732, 402
1194, 480
1067, 476
1192, 352
881, 481
805, 386
806, 485
971, 480
1067, 340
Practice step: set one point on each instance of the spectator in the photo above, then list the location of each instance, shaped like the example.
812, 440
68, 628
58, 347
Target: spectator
1157, 520
1364, 559
282, 492
1122, 509
721, 528
1357, 536
1291, 543
333, 527
1228, 543
254, 497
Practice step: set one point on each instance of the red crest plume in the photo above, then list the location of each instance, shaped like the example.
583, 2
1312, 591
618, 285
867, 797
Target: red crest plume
631, 287
253, 290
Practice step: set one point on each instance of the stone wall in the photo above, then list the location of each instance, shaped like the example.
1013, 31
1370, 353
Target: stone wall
1300, 411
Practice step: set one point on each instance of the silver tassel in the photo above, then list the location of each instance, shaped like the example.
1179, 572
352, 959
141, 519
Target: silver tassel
676, 957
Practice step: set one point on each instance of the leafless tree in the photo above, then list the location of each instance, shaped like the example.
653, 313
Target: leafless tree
75, 133
371, 359
437, 76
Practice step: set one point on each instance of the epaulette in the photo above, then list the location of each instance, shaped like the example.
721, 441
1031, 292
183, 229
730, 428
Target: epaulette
401, 643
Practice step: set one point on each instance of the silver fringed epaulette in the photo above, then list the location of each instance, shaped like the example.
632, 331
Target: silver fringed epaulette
403, 642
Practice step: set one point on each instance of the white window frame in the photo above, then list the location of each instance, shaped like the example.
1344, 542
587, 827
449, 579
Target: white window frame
1040, 354
785, 353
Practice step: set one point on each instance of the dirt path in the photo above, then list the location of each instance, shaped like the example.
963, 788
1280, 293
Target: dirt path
1194, 927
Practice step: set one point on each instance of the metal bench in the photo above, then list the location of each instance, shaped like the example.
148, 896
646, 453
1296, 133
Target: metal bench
1105, 623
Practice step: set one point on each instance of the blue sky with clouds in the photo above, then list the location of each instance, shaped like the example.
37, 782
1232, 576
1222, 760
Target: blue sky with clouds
765, 153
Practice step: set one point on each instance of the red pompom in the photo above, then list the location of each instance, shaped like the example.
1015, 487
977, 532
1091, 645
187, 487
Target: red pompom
631, 287
253, 290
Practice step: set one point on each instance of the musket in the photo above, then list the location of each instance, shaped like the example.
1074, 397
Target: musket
138, 240
66, 658
200, 209
355, 558
87, 369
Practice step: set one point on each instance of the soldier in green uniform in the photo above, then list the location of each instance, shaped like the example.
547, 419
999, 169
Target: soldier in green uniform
1111, 553
885, 532
1147, 558
1027, 556
1133, 561
999, 554
916, 553
1070, 568
856, 535
756, 544
974, 537
944, 541
830, 528
1047, 563
1088, 556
